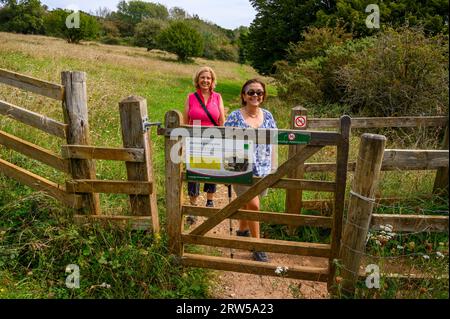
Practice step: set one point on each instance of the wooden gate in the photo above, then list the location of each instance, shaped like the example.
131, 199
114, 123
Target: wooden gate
176, 210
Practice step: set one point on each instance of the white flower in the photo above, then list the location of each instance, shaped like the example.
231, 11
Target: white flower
439, 254
426, 257
388, 228
378, 242
381, 227
383, 232
281, 270
105, 285
400, 247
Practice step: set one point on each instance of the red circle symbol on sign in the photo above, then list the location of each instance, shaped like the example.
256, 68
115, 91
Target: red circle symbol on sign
300, 121
291, 136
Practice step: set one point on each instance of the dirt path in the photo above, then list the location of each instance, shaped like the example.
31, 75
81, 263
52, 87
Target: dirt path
233, 285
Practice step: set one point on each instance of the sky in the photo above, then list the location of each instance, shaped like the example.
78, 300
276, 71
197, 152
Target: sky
228, 14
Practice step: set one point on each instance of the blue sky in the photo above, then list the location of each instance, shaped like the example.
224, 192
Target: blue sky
229, 14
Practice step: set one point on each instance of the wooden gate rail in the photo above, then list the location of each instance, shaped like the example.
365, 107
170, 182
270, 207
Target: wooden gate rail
198, 236
380, 122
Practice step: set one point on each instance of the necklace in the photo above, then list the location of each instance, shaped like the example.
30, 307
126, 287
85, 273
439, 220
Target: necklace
252, 115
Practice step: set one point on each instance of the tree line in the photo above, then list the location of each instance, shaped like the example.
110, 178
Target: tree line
139, 23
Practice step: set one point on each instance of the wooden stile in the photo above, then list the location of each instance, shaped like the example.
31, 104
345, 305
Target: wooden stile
112, 187
34, 151
103, 153
76, 116
133, 110
33, 119
52, 90
135, 222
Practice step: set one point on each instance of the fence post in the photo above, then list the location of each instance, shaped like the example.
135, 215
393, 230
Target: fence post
133, 112
173, 119
339, 194
367, 172
294, 196
441, 181
76, 116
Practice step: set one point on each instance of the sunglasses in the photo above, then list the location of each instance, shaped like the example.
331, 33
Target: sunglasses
252, 93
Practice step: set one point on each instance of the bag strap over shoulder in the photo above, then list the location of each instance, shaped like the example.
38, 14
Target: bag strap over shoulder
205, 109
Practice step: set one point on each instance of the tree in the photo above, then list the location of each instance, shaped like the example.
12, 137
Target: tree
277, 23
177, 13
147, 32
55, 24
181, 39
431, 15
25, 16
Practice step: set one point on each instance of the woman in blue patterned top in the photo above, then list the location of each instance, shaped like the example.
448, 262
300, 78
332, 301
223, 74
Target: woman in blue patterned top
251, 115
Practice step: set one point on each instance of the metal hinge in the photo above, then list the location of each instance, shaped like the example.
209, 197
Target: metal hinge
146, 124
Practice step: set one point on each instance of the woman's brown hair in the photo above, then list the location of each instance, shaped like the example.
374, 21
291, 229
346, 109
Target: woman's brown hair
244, 89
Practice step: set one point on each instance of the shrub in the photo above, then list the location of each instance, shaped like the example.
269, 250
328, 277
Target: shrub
147, 32
181, 39
404, 73
22, 17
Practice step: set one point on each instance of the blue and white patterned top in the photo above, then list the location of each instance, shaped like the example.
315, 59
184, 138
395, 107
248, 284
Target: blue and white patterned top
262, 157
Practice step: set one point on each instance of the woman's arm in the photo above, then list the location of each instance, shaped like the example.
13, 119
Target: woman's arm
186, 111
222, 113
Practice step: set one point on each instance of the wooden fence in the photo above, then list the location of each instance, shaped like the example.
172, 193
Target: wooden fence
176, 210
418, 160
360, 219
77, 155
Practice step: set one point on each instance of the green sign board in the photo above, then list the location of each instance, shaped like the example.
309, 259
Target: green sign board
294, 138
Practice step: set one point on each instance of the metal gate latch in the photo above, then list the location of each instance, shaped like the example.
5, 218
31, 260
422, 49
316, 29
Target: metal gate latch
146, 125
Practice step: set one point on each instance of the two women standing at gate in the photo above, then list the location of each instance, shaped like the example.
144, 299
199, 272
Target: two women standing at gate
251, 115
203, 107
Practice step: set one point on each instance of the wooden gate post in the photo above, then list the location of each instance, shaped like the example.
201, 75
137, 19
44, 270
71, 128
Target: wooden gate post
133, 112
367, 172
339, 194
172, 148
441, 181
76, 116
293, 196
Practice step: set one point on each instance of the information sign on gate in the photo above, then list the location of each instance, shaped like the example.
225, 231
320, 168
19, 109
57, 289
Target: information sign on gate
219, 160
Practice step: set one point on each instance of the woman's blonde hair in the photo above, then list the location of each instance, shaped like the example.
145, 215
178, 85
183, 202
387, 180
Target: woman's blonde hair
200, 71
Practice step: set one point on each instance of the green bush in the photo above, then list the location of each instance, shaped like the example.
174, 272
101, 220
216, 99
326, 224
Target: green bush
55, 25
404, 73
181, 39
26, 16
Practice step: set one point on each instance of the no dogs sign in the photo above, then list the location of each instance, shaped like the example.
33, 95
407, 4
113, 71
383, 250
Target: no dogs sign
300, 121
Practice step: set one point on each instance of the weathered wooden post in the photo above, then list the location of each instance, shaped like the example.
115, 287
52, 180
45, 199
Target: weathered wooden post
441, 181
339, 194
367, 172
76, 117
173, 153
133, 112
294, 196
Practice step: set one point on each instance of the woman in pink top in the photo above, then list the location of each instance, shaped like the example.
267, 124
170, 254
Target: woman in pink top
194, 114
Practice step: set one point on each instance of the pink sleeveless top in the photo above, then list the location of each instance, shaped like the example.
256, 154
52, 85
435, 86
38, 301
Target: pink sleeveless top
196, 111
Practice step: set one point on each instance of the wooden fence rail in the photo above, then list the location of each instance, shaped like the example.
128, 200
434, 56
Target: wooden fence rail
380, 122
52, 90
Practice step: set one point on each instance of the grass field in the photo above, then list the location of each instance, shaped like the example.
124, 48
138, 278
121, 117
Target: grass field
37, 239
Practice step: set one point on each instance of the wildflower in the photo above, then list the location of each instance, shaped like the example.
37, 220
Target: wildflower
281, 270
426, 257
105, 285
378, 242
388, 228
439, 254
412, 245
399, 247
